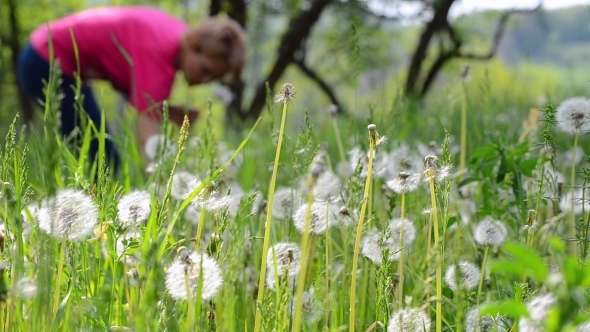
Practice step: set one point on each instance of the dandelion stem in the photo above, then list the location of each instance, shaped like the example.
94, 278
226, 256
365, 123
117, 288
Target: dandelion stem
268, 224
483, 273
359, 230
572, 228
463, 154
200, 229
339, 140
400, 271
437, 258
60, 265
305, 252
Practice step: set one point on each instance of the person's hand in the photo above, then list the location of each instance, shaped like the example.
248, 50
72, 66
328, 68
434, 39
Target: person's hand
177, 114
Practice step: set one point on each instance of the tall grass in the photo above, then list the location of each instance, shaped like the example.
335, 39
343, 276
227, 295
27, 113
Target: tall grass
118, 277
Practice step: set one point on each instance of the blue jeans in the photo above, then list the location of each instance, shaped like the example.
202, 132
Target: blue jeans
33, 71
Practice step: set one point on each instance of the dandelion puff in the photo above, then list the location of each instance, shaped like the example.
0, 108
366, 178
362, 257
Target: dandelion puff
310, 305
488, 323
191, 267
371, 246
287, 257
347, 218
490, 232
398, 226
404, 182
573, 114
159, 144
182, 185
70, 215
327, 185
284, 201
402, 159
285, 94
580, 201
134, 207
409, 320
433, 172
322, 217
538, 307
26, 288
584, 327
466, 278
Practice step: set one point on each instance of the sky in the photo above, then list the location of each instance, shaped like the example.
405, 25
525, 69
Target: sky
469, 5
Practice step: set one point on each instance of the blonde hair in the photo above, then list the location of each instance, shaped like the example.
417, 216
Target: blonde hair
222, 38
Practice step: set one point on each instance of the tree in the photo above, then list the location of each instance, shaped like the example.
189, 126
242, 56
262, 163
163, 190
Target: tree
420, 76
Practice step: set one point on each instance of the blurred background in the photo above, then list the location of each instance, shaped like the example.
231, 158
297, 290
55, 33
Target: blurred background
396, 58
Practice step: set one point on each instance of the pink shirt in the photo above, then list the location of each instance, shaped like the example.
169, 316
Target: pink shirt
134, 48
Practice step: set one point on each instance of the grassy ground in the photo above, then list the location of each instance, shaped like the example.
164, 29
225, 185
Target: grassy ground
488, 225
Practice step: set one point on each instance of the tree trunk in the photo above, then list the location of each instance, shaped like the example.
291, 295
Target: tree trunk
299, 29
25, 102
438, 22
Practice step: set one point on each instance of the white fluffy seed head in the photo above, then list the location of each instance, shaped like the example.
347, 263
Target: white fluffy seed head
475, 323
578, 199
287, 257
311, 307
371, 246
412, 319
573, 115
465, 277
490, 232
538, 307
71, 214
285, 201
134, 207
404, 182
190, 270
183, 183
322, 217
327, 185
159, 145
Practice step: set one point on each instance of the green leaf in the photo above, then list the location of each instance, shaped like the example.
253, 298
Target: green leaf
532, 264
527, 166
510, 308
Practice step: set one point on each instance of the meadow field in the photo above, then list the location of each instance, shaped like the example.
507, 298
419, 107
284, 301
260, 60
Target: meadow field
464, 212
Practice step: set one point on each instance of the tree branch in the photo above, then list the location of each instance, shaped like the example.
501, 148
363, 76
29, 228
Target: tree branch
299, 29
498, 34
320, 81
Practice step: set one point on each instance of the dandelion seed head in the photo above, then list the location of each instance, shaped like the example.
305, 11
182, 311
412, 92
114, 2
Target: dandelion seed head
411, 319
285, 200
404, 183
285, 94
333, 110
26, 288
327, 185
584, 327
490, 232
159, 144
183, 183
402, 159
134, 207
190, 269
465, 277
322, 216
287, 257
538, 307
311, 307
573, 115
398, 226
579, 199
371, 246
488, 323
71, 214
